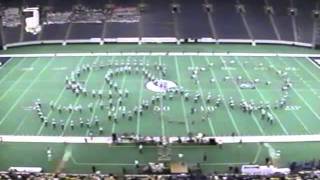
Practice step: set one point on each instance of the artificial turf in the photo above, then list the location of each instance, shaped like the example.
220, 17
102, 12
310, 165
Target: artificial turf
24, 80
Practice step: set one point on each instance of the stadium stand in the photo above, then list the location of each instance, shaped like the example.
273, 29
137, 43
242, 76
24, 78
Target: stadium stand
85, 31
54, 31
192, 20
257, 20
122, 19
303, 174
281, 18
234, 29
247, 20
157, 19
304, 20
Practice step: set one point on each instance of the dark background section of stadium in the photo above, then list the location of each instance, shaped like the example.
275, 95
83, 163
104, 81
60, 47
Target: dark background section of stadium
191, 20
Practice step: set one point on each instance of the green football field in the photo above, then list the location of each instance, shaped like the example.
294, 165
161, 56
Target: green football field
217, 81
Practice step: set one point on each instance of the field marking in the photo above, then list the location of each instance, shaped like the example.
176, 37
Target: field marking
271, 151
123, 80
306, 103
220, 91
58, 99
74, 161
7, 62
242, 96
13, 68
104, 84
183, 106
309, 72
301, 123
65, 158
78, 98
203, 101
262, 96
25, 91
140, 99
161, 105
16, 81
255, 160
20, 125
306, 69
298, 118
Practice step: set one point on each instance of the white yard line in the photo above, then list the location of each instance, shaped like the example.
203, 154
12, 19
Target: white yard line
306, 69
264, 99
203, 101
24, 92
13, 68
58, 99
220, 91
183, 106
161, 105
256, 157
78, 98
117, 108
310, 73
20, 125
298, 118
140, 100
243, 97
16, 82
305, 102
7, 62
104, 84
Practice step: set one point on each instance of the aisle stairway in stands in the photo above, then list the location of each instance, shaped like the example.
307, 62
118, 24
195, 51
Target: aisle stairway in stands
2, 36
269, 11
22, 21
316, 26
242, 11
293, 12
175, 9
209, 11
142, 7
316, 31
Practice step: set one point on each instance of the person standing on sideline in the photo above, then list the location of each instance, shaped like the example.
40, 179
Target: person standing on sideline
140, 148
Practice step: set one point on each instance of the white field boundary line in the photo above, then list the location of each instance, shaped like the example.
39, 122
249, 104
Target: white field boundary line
108, 139
160, 54
310, 60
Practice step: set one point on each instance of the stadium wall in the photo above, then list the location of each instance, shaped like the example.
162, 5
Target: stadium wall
157, 40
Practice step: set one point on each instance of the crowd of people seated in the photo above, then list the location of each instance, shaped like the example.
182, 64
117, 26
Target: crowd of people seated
304, 166
11, 17
213, 176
